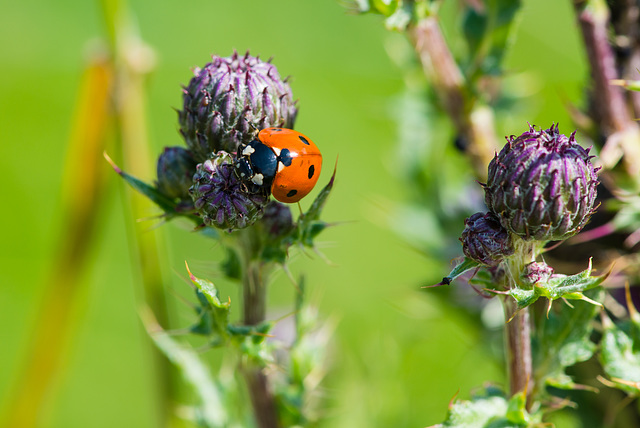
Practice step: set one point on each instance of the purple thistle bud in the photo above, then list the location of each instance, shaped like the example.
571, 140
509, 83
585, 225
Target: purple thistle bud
175, 170
485, 240
536, 272
542, 185
228, 99
221, 199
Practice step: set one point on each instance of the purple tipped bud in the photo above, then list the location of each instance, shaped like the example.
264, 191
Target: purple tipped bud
176, 167
542, 185
228, 99
221, 199
536, 272
485, 240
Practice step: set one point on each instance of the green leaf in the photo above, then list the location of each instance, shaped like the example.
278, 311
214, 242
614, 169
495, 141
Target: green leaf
459, 269
490, 410
620, 351
562, 339
214, 315
170, 207
488, 34
212, 410
559, 286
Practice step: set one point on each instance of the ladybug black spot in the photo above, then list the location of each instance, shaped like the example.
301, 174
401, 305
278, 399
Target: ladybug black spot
304, 140
291, 193
312, 170
276, 129
285, 157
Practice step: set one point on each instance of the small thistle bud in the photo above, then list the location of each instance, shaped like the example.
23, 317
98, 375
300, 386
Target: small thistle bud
542, 185
277, 219
485, 240
221, 199
230, 98
536, 272
176, 167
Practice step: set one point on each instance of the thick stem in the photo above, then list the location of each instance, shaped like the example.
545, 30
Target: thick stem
255, 305
609, 106
518, 349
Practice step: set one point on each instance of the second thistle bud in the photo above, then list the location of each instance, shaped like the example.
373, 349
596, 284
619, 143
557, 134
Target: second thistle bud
542, 185
485, 240
175, 169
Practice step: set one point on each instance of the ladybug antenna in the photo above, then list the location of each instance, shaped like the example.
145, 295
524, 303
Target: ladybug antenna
254, 129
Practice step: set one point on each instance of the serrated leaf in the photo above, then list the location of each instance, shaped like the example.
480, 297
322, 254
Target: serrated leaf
559, 286
214, 315
563, 339
490, 410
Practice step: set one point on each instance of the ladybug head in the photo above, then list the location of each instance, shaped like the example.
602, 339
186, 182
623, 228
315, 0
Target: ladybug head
257, 163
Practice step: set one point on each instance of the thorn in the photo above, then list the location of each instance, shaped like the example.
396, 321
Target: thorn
112, 163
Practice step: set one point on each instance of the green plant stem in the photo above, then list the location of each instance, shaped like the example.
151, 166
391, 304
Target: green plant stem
254, 290
518, 348
518, 353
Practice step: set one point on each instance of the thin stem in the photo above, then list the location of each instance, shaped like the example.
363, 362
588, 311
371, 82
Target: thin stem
254, 292
473, 122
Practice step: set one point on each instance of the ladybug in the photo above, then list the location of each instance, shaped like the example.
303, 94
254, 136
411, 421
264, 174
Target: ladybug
283, 160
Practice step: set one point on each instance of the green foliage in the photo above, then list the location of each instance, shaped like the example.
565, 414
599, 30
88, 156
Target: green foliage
562, 339
306, 229
620, 351
558, 286
213, 397
490, 409
399, 13
170, 207
488, 33
460, 268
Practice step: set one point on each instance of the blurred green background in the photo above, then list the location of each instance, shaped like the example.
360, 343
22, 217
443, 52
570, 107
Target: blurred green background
398, 354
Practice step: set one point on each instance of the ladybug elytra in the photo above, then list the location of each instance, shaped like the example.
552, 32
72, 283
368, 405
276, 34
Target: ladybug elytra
283, 160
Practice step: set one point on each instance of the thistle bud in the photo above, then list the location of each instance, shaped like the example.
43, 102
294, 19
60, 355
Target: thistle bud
221, 199
277, 220
176, 167
536, 272
542, 185
485, 240
230, 98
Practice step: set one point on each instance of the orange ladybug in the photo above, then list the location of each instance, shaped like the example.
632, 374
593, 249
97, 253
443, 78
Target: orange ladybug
282, 159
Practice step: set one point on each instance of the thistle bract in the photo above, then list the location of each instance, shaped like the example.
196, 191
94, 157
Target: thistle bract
221, 199
175, 169
485, 240
542, 185
229, 99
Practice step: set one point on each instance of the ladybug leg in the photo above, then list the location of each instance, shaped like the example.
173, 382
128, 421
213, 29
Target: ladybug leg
300, 208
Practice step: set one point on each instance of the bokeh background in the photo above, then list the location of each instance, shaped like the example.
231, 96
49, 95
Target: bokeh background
399, 353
